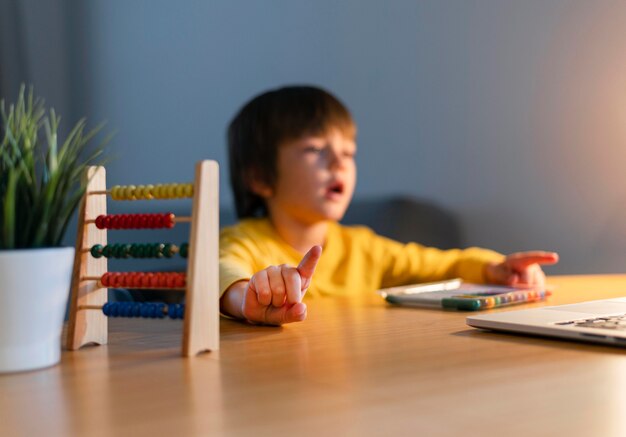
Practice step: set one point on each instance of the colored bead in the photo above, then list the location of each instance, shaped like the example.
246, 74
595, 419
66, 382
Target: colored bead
168, 220
125, 250
171, 191
157, 191
96, 250
189, 190
100, 221
167, 250
184, 250
160, 307
180, 191
139, 251
149, 192
144, 279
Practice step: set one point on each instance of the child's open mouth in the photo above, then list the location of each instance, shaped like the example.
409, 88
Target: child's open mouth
335, 190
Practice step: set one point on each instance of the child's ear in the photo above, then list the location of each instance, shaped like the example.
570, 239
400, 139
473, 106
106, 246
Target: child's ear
258, 186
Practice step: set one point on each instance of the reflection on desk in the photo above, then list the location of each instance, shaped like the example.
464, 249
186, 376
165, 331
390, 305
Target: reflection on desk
355, 367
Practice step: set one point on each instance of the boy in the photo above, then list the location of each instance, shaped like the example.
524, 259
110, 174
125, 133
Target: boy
292, 170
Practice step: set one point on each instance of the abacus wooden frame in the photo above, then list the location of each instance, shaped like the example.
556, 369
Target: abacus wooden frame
201, 321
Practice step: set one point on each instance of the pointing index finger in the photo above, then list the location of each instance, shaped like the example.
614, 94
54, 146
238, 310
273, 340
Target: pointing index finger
522, 260
306, 268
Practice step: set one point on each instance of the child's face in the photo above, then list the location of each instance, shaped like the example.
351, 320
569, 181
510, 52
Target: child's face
316, 178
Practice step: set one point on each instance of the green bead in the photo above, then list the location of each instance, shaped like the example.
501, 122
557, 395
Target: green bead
126, 250
140, 251
96, 251
167, 250
184, 250
106, 251
150, 252
116, 251
159, 247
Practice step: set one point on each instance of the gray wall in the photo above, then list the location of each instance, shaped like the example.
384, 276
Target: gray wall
510, 114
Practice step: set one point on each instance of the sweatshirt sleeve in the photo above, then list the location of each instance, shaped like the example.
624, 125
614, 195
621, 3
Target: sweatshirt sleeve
236, 259
412, 262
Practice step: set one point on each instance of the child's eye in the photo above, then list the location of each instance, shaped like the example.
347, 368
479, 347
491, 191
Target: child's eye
314, 149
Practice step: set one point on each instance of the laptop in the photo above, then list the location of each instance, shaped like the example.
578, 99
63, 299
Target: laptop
598, 321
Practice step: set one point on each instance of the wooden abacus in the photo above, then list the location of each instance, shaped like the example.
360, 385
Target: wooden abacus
89, 308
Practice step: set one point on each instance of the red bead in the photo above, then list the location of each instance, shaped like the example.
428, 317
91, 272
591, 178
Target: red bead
107, 222
104, 279
157, 280
118, 280
170, 280
135, 279
168, 220
146, 279
180, 280
143, 221
100, 222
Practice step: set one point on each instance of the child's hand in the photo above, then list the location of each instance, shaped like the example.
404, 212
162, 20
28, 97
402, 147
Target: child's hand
521, 268
274, 295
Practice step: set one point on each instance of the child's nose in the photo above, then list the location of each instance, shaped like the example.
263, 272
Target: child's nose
336, 159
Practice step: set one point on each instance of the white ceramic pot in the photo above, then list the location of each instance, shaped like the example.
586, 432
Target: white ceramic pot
34, 288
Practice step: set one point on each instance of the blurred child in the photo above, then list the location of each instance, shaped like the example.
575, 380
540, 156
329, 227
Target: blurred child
292, 170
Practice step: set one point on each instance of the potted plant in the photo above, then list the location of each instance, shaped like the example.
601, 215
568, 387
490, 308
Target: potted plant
40, 189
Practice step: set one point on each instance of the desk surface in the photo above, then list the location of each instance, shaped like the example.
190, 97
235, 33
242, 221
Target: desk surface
353, 368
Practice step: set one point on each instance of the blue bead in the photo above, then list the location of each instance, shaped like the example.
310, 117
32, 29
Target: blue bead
106, 309
114, 309
144, 310
160, 306
181, 312
152, 310
171, 311
136, 309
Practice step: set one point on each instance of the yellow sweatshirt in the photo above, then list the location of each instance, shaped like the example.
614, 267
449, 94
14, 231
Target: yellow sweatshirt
355, 260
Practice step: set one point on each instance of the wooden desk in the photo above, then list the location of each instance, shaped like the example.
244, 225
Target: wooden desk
353, 368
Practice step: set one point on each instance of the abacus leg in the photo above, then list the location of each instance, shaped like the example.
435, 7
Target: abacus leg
86, 326
201, 323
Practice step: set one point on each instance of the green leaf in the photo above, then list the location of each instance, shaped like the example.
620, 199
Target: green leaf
40, 181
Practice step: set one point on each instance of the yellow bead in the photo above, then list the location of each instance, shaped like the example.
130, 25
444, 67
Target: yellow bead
130, 192
149, 191
158, 192
141, 192
171, 191
180, 190
189, 190
115, 192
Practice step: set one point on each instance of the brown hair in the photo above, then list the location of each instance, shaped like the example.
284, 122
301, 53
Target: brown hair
264, 124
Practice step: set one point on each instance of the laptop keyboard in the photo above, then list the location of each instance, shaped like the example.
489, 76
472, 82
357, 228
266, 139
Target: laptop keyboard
617, 323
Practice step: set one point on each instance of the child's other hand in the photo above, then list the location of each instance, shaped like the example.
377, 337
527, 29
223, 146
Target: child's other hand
274, 295
521, 268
